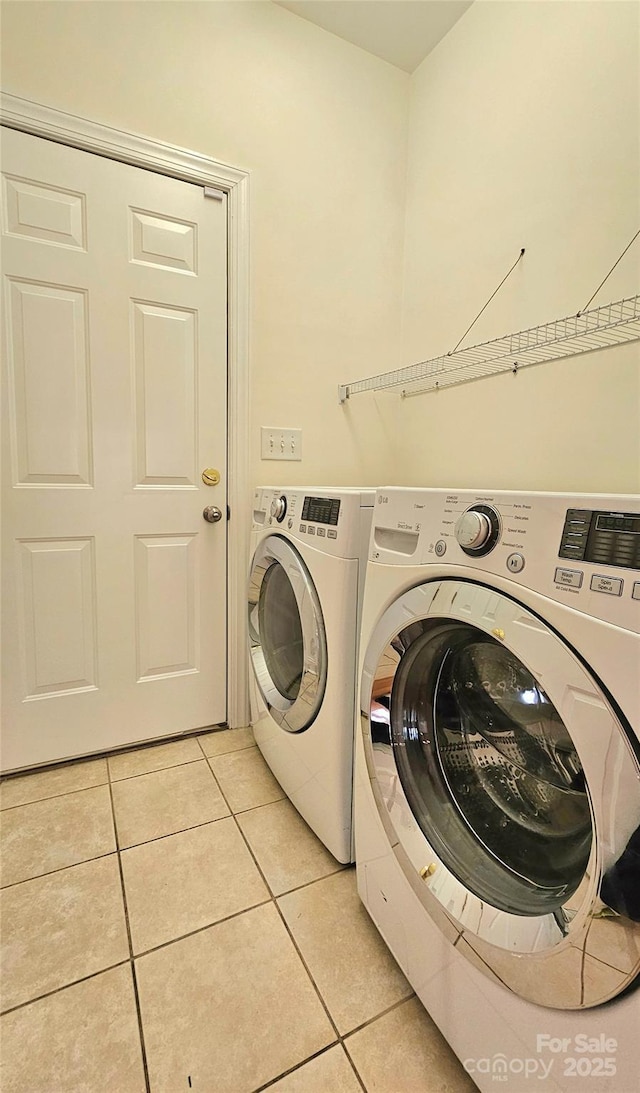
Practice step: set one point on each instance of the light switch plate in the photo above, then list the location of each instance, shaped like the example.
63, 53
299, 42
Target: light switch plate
277, 442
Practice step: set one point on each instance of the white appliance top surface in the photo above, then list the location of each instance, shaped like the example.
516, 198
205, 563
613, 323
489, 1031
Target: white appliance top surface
334, 521
366, 493
543, 543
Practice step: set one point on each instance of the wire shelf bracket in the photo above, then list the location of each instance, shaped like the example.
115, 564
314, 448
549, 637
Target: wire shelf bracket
601, 328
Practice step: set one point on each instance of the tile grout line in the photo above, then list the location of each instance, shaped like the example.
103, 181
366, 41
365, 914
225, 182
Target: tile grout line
339, 1035
232, 816
340, 1038
200, 929
273, 900
272, 897
226, 918
8, 779
365, 1024
299, 1066
184, 763
51, 768
94, 756
185, 937
170, 834
132, 965
61, 869
308, 883
55, 797
125, 778
64, 987
383, 1013
157, 770
52, 796
340, 1042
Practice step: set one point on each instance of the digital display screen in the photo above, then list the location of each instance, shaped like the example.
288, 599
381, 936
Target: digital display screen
321, 510
604, 538
613, 522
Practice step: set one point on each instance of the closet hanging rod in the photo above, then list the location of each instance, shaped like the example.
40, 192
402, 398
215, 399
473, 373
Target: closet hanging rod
602, 327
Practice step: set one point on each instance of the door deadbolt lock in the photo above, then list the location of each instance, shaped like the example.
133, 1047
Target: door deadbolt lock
212, 514
210, 476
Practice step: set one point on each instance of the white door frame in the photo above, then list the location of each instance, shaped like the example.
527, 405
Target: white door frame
168, 159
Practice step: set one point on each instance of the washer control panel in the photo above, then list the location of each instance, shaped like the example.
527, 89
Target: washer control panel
579, 549
603, 537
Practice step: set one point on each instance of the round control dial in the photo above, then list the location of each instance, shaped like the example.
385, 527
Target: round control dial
279, 508
478, 530
473, 529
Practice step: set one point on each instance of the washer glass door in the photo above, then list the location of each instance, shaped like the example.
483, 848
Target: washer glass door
489, 770
286, 634
509, 803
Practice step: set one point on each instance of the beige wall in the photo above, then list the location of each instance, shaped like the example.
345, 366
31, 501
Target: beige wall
524, 132
320, 125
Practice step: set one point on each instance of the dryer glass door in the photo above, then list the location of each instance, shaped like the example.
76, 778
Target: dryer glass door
286, 634
510, 803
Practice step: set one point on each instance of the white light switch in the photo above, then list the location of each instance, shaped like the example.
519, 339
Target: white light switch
279, 443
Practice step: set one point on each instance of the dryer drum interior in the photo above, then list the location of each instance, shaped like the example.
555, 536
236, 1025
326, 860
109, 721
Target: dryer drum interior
287, 637
508, 803
280, 631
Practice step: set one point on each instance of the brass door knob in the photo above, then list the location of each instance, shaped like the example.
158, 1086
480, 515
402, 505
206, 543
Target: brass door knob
210, 476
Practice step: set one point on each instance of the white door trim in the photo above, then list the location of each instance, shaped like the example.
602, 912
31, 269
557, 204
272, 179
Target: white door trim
168, 159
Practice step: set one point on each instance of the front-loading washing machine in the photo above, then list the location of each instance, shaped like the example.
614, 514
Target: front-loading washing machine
497, 776
309, 549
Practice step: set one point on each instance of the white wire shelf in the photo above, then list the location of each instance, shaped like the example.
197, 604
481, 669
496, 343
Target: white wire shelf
600, 328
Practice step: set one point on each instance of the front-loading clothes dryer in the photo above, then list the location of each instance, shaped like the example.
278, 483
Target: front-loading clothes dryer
304, 599
497, 781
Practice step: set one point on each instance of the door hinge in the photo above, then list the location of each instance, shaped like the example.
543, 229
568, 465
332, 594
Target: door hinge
210, 191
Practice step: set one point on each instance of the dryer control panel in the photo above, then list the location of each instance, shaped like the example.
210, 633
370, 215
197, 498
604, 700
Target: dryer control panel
334, 521
321, 510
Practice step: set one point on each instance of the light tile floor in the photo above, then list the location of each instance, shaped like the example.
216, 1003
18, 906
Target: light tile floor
170, 923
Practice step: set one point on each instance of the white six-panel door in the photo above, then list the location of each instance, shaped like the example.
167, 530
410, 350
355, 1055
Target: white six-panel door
114, 586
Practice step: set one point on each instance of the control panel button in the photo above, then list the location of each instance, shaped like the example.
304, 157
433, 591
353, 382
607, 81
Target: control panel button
606, 538
321, 510
440, 548
575, 534
321, 533
611, 585
303, 528
569, 578
290, 523
332, 534
515, 563
311, 531
635, 593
